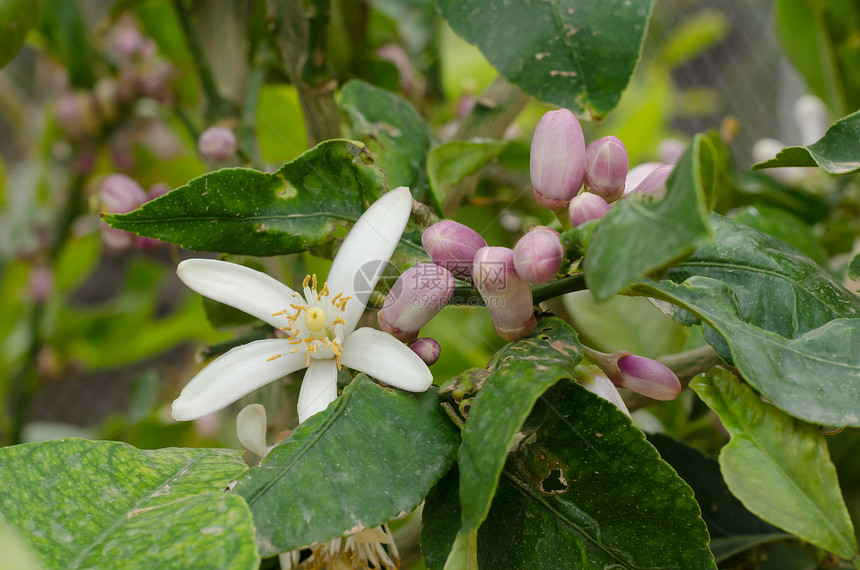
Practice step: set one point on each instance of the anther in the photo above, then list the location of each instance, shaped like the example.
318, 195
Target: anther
279, 313
314, 281
271, 358
338, 321
305, 282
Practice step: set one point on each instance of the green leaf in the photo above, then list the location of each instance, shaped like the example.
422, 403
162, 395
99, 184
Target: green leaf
450, 163
89, 504
778, 466
636, 238
784, 226
518, 375
16, 19
721, 511
726, 547
812, 377
777, 287
573, 53
393, 131
65, 29
836, 152
854, 268
377, 451
242, 211
587, 491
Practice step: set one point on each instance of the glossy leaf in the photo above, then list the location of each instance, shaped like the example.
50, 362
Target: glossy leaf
854, 267
778, 466
784, 226
64, 26
393, 131
370, 457
450, 163
90, 504
16, 19
777, 287
518, 375
636, 238
579, 55
837, 152
561, 496
243, 211
815, 376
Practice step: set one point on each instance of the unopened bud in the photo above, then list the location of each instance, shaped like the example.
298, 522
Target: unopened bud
416, 297
427, 349
597, 383
637, 174
453, 246
77, 114
507, 296
538, 255
158, 190
812, 118
648, 377
586, 207
41, 283
670, 151
655, 183
606, 168
120, 194
557, 162
251, 427
217, 144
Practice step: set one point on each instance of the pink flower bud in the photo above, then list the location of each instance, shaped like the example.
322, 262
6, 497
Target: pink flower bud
670, 151
416, 297
158, 190
120, 194
452, 246
637, 174
597, 383
217, 144
557, 163
77, 114
655, 183
41, 283
586, 207
507, 296
648, 377
538, 255
428, 349
606, 168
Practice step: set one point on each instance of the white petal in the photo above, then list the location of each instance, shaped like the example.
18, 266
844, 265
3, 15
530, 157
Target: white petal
232, 375
385, 358
241, 287
366, 250
251, 428
319, 388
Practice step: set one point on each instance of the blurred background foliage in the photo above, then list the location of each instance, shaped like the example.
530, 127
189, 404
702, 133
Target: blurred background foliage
96, 340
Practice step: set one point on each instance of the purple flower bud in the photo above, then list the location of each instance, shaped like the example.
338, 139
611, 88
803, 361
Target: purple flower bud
416, 297
507, 296
648, 377
586, 207
637, 174
217, 144
453, 246
670, 151
120, 194
538, 255
606, 168
428, 349
41, 283
597, 383
557, 163
77, 114
158, 190
655, 183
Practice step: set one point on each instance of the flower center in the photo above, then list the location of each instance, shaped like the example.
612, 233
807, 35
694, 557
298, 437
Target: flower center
309, 326
315, 319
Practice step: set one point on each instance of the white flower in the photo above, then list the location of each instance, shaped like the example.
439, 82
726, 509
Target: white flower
321, 324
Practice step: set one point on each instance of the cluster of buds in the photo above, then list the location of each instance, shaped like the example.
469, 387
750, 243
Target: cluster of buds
585, 180
119, 194
501, 275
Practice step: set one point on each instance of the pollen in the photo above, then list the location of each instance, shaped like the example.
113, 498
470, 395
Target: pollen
271, 358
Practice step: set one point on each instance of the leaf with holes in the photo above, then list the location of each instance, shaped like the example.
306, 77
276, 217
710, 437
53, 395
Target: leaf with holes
518, 375
584, 491
88, 504
573, 53
243, 211
778, 466
370, 457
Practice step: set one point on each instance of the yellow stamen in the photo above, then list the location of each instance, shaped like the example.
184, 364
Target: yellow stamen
314, 281
294, 335
294, 350
271, 358
279, 313
338, 321
336, 297
305, 282
299, 307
